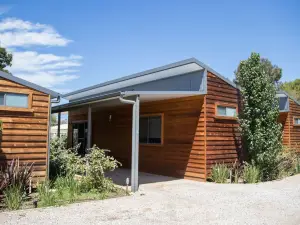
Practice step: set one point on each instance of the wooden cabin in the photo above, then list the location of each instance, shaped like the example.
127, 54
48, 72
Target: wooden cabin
176, 120
25, 115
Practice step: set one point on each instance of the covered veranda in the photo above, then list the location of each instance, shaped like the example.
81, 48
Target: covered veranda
120, 101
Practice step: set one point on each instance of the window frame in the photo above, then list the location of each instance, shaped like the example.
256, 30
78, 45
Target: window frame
229, 105
15, 108
161, 128
294, 118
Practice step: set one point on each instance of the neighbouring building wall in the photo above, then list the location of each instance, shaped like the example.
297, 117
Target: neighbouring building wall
25, 134
294, 129
223, 142
182, 152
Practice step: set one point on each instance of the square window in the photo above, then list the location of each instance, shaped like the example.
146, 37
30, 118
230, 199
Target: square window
226, 111
151, 130
297, 121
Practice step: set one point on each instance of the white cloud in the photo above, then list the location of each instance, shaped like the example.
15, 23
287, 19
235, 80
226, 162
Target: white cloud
48, 70
15, 33
47, 79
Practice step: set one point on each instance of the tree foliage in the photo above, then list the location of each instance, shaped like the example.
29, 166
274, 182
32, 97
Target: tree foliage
5, 59
293, 88
262, 136
273, 71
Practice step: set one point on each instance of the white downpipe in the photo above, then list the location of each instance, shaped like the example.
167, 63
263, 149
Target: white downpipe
135, 142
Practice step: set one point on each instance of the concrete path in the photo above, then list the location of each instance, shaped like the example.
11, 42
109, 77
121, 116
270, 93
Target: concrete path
180, 202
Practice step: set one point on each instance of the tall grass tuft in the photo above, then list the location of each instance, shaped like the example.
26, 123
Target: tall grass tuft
13, 197
220, 173
67, 188
46, 195
251, 173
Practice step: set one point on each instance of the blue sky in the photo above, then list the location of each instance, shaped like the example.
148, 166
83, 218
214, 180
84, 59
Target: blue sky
66, 45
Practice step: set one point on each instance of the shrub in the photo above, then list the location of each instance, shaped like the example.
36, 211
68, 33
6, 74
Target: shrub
251, 173
288, 162
15, 174
13, 197
219, 173
97, 164
45, 194
261, 131
63, 161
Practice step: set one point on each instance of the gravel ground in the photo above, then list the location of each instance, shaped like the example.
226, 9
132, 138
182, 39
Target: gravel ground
180, 202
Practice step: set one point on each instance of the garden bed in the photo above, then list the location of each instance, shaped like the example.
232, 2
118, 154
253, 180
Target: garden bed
28, 201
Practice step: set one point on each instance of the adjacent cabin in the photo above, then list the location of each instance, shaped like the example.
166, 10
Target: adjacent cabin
24, 119
176, 120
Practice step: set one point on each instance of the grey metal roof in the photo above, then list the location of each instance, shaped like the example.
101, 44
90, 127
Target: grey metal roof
158, 69
26, 83
291, 97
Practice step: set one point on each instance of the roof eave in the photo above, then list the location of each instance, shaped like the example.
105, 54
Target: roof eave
26, 83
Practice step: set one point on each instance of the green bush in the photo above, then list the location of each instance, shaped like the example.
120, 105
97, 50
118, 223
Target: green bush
13, 197
251, 173
63, 161
16, 174
45, 194
220, 173
97, 164
288, 162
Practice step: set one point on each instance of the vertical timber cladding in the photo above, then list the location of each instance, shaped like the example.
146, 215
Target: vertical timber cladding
182, 153
223, 142
25, 134
294, 130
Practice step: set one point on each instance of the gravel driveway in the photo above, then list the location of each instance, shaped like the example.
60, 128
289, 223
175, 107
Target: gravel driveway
180, 202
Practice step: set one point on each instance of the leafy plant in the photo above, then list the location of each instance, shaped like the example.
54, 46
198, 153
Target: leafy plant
45, 194
64, 161
13, 197
15, 174
1, 125
288, 162
251, 173
261, 131
220, 173
98, 163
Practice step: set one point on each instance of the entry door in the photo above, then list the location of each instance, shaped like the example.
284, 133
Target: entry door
79, 131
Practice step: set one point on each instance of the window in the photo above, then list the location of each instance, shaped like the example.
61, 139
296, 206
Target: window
226, 111
14, 100
297, 121
151, 129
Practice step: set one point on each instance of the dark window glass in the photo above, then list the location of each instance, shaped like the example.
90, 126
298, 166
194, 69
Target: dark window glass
144, 130
1, 98
150, 130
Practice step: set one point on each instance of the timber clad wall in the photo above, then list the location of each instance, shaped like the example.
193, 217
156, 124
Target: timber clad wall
294, 130
182, 153
25, 134
222, 137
